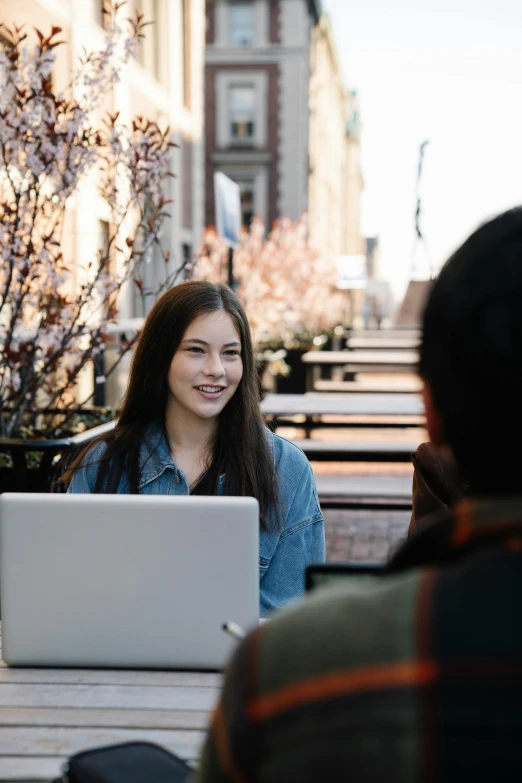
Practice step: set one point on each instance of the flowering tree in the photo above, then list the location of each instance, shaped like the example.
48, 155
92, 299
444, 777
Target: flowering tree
54, 313
286, 286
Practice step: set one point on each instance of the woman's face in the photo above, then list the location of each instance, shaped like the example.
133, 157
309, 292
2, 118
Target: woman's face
206, 368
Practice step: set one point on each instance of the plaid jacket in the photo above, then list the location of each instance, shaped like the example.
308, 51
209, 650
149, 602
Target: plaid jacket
418, 678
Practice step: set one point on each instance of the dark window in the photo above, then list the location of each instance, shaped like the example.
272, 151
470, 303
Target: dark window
241, 112
246, 190
186, 53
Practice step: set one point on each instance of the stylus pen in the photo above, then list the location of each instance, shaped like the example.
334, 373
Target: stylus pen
234, 630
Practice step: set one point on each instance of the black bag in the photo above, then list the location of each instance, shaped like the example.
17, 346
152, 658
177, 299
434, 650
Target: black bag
130, 762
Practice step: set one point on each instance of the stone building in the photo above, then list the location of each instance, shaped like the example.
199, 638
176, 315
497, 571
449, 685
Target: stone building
164, 83
335, 180
257, 78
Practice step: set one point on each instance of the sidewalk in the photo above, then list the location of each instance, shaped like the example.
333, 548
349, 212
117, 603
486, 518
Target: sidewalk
370, 536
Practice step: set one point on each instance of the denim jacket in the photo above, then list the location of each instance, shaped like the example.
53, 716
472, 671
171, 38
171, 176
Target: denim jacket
283, 555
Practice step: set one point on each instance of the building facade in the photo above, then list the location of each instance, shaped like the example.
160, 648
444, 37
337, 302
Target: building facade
165, 84
257, 74
335, 181
353, 240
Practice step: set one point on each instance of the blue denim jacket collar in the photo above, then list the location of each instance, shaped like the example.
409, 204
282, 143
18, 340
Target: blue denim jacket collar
155, 456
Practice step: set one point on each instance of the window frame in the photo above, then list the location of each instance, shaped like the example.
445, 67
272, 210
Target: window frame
235, 6
248, 139
241, 78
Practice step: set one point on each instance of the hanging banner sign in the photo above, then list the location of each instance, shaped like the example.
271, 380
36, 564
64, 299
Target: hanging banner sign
351, 272
228, 209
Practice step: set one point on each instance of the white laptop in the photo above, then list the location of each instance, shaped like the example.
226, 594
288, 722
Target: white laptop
126, 580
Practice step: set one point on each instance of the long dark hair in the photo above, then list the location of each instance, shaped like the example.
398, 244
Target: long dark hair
240, 450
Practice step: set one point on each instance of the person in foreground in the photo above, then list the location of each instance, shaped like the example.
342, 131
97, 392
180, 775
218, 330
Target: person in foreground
190, 422
418, 677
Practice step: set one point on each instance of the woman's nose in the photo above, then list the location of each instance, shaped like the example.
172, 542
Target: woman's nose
214, 366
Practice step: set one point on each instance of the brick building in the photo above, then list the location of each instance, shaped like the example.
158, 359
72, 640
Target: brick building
257, 76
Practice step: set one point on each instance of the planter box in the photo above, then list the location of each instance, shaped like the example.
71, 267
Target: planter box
295, 383
55, 455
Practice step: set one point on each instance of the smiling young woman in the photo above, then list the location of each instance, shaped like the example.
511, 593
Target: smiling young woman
190, 423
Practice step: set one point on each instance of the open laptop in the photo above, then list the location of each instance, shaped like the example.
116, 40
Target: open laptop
126, 580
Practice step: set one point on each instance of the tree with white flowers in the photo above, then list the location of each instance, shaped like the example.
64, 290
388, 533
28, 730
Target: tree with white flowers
54, 312
287, 287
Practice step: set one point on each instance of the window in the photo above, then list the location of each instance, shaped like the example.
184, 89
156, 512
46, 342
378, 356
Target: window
241, 113
98, 363
186, 250
3, 71
241, 18
241, 109
187, 168
99, 12
152, 47
246, 191
156, 38
186, 53
140, 54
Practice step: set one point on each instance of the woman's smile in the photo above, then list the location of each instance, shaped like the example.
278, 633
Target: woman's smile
210, 392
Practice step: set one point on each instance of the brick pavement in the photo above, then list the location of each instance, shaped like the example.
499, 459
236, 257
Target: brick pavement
363, 535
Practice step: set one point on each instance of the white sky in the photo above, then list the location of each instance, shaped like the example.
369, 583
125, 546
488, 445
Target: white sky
445, 70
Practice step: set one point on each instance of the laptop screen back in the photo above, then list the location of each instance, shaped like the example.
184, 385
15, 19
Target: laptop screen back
126, 580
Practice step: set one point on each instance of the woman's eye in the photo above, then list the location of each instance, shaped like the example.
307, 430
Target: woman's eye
194, 349
232, 353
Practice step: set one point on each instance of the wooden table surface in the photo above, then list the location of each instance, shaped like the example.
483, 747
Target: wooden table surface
357, 451
382, 343
379, 334
46, 715
343, 404
389, 358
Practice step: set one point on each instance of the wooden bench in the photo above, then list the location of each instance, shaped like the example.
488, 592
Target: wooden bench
308, 410
384, 334
370, 493
401, 385
356, 451
354, 362
382, 343
389, 359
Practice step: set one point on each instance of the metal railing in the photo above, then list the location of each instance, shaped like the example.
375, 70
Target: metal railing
55, 456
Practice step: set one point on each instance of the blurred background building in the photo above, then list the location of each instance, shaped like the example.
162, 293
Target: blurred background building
335, 180
252, 88
257, 76
280, 121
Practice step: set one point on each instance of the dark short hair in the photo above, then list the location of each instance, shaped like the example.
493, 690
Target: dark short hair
471, 354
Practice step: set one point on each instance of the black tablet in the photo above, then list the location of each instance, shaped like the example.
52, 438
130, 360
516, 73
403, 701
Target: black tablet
330, 574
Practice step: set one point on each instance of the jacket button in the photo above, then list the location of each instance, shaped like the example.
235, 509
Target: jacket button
176, 478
